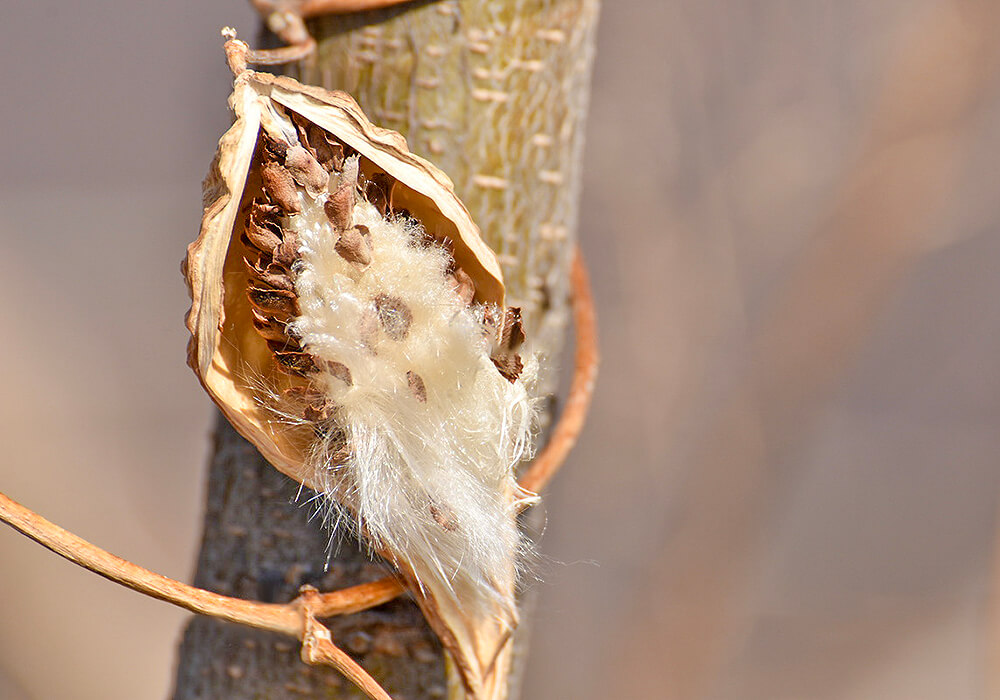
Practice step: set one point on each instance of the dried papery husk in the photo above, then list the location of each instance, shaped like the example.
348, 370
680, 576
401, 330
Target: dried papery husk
223, 343
239, 273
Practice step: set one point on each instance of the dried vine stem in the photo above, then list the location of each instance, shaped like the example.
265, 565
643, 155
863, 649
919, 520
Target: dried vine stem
296, 619
299, 617
586, 360
289, 26
287, 20
315, 8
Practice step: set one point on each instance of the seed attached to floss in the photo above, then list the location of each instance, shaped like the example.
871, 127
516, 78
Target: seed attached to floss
353, 245
417, 386
350, 322
505, 356
394, 314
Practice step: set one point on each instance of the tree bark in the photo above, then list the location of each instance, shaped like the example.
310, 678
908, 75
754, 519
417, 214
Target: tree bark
495, 94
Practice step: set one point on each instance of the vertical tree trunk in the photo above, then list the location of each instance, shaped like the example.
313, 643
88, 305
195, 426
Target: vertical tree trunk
494, 92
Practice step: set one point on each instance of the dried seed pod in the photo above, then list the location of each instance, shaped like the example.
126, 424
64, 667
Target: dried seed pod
339, 291
224, 344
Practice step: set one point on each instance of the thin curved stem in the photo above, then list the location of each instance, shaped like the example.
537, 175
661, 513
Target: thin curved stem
291, 28
315, 8
295, 619
278, 618
287, 20
581, 391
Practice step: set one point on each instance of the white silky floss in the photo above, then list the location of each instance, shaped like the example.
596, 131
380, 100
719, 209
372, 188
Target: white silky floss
431, 481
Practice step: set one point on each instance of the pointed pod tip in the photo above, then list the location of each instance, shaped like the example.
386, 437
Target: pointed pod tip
236, 51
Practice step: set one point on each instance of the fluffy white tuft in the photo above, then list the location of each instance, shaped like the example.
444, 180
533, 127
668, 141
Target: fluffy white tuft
432, 481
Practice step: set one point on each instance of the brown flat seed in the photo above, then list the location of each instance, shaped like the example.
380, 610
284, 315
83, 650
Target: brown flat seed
339, 370
339, 207
290, 237
417, 386
318, 408
293, 362
513, 330
353, 247
266, 264
262, 236
316, 412
444, 516
286, 254
280, 187
264, 212
323, 147
271, 275
329, 151
464, 286
394, 314
306, 170
269, 328
274, 149
509, 366
301, 126
273, 301
312, 403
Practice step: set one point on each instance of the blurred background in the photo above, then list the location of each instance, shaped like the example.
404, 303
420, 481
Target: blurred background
788, 485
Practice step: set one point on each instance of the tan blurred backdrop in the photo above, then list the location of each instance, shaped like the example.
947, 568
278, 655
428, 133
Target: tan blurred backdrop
788, 485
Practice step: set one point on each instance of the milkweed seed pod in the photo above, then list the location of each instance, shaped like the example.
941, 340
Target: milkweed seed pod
349, 321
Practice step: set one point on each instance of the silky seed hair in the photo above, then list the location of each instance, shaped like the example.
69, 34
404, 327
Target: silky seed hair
416, 396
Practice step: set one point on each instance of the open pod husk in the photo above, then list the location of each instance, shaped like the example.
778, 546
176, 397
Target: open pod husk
232, 360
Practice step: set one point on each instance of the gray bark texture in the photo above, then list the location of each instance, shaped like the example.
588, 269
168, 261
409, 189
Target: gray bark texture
495, 94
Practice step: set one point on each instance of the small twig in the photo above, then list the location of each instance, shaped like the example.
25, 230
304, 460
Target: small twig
318, 647
286, 19
586, 360
296, 619
289, 26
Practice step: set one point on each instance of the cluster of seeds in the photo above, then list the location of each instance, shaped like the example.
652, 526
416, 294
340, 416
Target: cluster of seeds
317, 165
